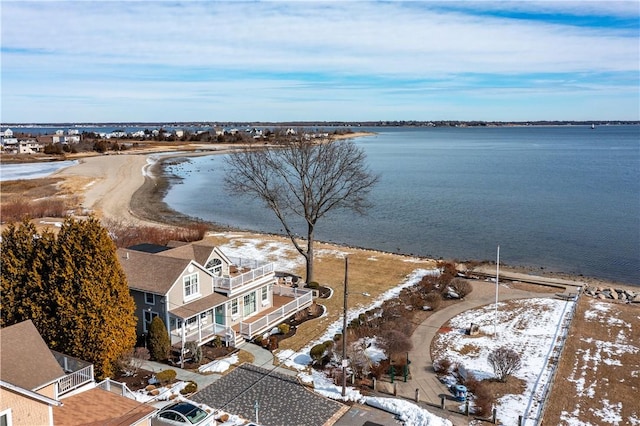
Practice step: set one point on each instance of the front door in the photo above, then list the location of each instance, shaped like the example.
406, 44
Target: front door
219, 314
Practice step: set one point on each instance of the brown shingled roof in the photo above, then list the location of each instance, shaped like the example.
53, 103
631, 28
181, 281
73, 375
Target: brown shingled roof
100, 407
198, 252
198, 306
25, 359
152, 273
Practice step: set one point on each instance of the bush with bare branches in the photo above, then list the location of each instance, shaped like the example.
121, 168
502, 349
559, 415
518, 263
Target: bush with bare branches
504, 361
395, 342
461, 286
433, 300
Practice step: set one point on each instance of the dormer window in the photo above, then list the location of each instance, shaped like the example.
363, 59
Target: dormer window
214, 266
191, 288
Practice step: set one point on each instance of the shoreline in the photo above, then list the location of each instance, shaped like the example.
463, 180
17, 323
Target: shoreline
130, 188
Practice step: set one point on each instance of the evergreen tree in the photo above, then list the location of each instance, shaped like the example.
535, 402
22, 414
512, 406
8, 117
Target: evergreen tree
89, 292
24, 267
159, 344
72, 287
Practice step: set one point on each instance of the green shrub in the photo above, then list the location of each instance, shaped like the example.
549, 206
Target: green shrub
159, 343
328, 344
195, 350
190, 387
166, 376
284, 328
313, 285
337, 337
317, 352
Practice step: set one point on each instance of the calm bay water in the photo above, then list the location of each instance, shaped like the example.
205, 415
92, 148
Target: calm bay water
563, 198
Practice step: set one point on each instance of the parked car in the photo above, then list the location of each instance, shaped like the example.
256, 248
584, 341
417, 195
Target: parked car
183, 414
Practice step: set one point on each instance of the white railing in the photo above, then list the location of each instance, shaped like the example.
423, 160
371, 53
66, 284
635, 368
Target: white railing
238, 281
75, 380
303, 299
197, 333
117, 388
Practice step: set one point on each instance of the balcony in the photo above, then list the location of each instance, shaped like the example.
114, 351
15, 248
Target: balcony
242, 272
302, 299
79, 374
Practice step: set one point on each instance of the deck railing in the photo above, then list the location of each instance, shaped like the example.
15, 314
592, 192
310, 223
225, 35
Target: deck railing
303, 298
254, 270
75, 380
117, 388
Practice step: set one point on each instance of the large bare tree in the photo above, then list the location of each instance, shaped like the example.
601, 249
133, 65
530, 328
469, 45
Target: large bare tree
305, 179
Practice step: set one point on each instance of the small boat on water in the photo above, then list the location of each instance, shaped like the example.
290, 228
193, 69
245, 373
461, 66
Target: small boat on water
593, 126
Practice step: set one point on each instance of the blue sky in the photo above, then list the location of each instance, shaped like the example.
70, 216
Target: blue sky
105, 61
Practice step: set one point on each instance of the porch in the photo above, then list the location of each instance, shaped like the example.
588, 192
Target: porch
203, 329
283, 308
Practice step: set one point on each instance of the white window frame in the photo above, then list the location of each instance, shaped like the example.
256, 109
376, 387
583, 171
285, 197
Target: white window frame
235, 308
146, 298
203, 318
191, 323
191, 282
250, 304
7, 415
264, 295
152, 315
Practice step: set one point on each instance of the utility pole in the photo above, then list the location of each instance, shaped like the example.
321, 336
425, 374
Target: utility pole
344, 329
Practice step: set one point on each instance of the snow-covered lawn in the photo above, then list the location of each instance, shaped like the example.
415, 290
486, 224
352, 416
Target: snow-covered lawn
219, 365
532, 327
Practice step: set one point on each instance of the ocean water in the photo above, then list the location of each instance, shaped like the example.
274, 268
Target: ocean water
566, 199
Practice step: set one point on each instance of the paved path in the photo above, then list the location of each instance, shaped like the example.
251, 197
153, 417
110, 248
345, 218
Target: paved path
422, 375
201, 379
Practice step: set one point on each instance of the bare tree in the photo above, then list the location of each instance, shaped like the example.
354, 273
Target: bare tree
304, 179
504, 362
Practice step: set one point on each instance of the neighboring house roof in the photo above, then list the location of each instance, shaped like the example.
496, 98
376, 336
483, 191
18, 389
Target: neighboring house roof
199, 305
281, 399
100, 407
22, 351
152, 273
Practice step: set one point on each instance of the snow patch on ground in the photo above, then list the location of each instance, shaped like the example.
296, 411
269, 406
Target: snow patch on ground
283, 255
529, 326
219, 365
408, 412
32, 170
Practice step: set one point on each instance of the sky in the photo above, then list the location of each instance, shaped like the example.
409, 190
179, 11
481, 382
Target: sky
216, 61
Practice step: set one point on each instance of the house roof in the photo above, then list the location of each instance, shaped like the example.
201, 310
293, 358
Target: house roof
198, 252
199, 305
153, 273
99, 407
25, 359
282, 399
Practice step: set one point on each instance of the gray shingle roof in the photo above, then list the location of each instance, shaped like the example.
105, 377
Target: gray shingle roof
282, 400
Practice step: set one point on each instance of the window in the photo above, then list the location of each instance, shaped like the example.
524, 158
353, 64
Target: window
5, 418
148, 317
265, 294
214, 266
150, 298
234, 307
249, 304
204, 318
192, 322
191, 286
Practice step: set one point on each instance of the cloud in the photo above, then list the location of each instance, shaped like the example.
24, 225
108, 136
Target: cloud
276, 51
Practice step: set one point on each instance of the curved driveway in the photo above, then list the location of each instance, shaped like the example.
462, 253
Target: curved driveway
422, 375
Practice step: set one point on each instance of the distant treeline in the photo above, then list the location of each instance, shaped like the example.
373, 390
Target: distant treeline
352, 124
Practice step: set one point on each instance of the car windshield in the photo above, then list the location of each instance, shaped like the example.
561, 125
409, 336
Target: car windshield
190, 411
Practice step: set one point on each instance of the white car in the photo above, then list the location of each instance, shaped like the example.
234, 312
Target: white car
183, 414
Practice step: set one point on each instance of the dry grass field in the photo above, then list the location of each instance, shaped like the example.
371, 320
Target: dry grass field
370, 272
598, 377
